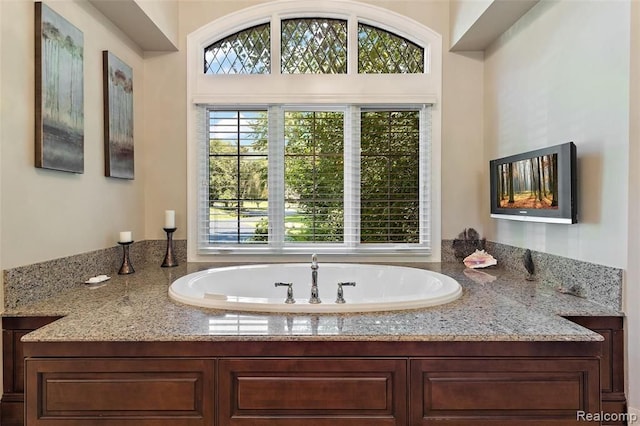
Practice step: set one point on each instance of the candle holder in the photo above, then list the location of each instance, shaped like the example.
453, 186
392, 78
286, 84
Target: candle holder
126, 267
169, 258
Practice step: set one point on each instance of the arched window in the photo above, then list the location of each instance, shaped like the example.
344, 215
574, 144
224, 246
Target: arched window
313, 46
381, 51
314, 128
245, 52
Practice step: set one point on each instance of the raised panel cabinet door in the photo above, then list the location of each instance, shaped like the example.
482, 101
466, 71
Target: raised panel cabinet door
503, 391
123, 392
612, 365
312, 392
12, 403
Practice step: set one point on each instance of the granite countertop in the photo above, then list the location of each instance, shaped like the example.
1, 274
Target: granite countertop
136, 307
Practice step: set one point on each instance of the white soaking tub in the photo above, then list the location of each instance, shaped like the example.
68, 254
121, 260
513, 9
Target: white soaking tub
252, 288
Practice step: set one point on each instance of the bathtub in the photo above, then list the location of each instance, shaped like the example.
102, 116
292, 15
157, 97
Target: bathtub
378, 288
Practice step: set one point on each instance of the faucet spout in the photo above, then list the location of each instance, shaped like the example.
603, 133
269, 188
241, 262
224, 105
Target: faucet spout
315, 298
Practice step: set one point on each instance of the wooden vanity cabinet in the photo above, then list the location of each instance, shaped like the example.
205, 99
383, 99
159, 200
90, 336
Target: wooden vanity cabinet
312, 391
315, 383
120, 391
12, 403
612, 366
311, 383
495, 391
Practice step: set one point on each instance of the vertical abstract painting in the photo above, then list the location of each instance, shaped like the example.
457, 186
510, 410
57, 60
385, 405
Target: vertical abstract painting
59, 92
118, 117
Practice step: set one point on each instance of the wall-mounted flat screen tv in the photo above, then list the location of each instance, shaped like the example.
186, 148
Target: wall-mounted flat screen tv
536, 186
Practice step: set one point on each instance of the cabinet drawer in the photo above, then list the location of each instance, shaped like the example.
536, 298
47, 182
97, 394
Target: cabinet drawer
119, 391
312, 392
485, 390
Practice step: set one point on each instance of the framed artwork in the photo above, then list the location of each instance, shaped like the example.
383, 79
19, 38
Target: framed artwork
59, 121
118, 117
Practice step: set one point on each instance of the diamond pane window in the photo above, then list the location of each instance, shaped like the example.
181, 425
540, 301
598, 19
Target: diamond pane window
245, 52
314, 46
389, 188
381, 52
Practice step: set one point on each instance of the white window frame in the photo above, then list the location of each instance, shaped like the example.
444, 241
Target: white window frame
312, 90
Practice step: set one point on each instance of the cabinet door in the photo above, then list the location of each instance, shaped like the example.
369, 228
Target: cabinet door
312, 392
123, 392
509, 391
612, 366
12, 403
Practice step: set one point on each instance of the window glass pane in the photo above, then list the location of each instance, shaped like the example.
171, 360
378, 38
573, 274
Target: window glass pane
382, 52
389, 186
245, 52
314, 176
314, 46
238, 177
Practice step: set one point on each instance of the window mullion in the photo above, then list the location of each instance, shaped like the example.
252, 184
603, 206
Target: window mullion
276, 36
352, 176
425, 175
276, 177
203, 219
352, 45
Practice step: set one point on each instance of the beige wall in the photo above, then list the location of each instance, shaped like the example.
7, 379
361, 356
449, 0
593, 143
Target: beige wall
561, 74
165, 129
47, 214
463, 167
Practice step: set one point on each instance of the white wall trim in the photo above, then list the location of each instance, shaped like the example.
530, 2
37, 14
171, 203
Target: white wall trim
342, 9
350, 88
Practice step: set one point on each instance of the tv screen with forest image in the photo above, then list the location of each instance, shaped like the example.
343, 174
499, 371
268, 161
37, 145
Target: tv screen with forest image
529, 184
536, 186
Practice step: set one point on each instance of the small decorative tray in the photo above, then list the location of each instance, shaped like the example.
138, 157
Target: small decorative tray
97, 279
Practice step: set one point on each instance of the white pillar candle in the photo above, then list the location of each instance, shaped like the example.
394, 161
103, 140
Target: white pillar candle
169, 218
125, 237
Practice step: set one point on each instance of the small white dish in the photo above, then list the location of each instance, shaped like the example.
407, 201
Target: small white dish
97, 279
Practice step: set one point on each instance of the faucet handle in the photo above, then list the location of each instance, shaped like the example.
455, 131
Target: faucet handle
340, 298
314, 261
289, 300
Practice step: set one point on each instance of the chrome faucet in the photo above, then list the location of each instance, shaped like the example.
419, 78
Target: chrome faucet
314, 280
340, 298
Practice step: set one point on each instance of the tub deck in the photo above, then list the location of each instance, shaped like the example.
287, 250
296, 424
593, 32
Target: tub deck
136, 308
502, 354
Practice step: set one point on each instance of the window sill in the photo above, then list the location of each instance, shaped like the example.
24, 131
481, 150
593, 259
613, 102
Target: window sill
303, 254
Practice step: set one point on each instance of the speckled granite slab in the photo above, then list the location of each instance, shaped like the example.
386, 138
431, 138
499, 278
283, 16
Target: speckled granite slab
40, 281
598, 283
137, 308
497, 305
